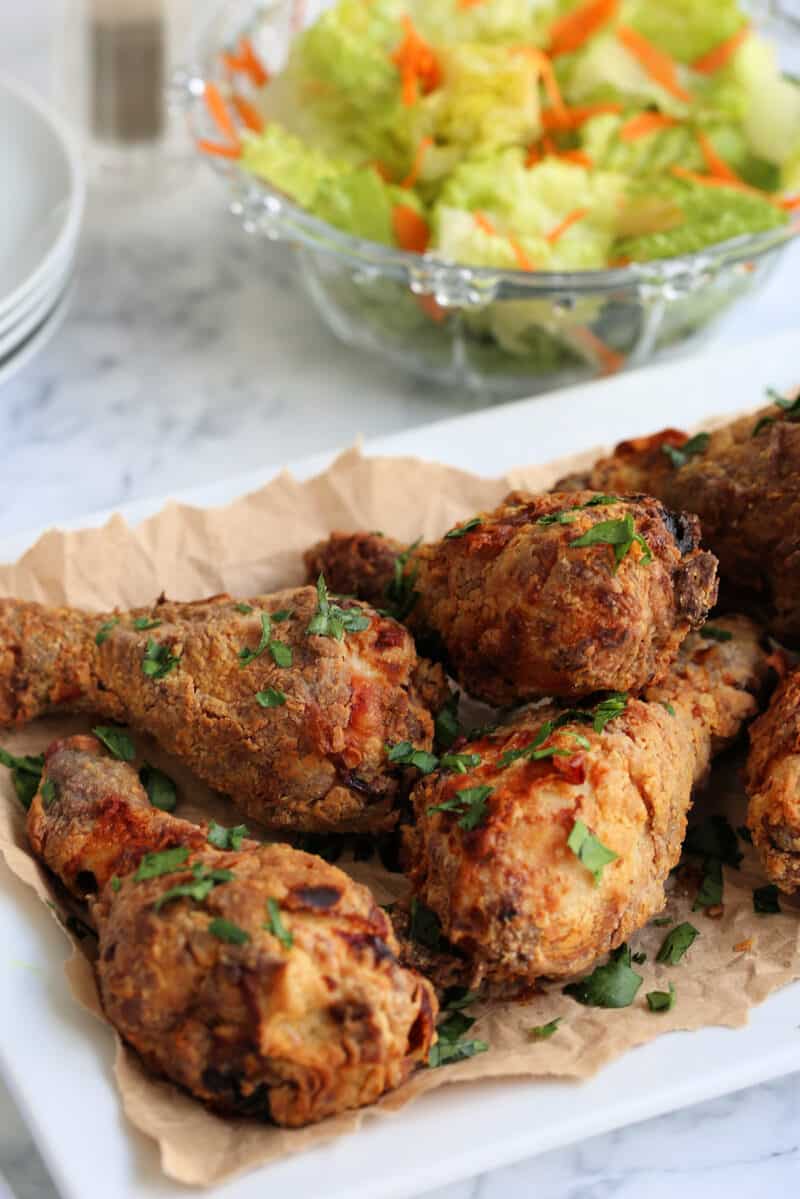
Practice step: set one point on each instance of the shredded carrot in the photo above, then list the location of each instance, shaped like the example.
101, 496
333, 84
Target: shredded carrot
546, 74
219, 150
716, 165
410, 229
789, 203
416, 166
721, 54
432, 308
549, 146
525, 263
232, 61
659, 66
571, 31
573, 118
220, 113
579, 157
469, 3
382, 169
248, 113
572, 219
417, 64
483, 222
713, 181
743, 946
533, 157
609, 360
620, 262
645, 123
251, 63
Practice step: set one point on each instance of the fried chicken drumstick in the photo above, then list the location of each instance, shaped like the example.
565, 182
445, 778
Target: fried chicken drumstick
555, 845
263, 980
558, 595
743, 481
285, 702
772, 779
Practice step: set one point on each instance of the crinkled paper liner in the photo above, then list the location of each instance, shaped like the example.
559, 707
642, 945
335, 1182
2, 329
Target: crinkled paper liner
253, 546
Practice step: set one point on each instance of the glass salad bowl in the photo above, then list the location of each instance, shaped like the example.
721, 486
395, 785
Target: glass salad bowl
500, 332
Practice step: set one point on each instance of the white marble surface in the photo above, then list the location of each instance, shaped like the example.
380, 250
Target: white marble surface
188, 356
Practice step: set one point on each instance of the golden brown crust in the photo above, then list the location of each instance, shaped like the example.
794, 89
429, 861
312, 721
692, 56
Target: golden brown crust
519, 612
745, 488
511, 894
252, 1026
315, 762
772, 779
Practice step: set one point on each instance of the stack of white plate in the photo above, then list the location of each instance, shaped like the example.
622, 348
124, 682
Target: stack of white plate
42, 192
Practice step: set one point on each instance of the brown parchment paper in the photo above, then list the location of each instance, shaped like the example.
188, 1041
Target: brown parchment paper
254, 545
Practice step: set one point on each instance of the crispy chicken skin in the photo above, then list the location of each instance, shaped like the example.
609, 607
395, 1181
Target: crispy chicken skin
745, 488
244, 1021
511, 894
772, 779
520, 612
315, 762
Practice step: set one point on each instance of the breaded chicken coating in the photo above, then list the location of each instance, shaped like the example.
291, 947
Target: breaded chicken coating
743, 482
555, 846
772, 779
557, 595
261, 979
285, 702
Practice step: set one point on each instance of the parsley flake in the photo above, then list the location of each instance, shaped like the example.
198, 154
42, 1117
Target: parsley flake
227, 838
158, 660
460, 763
26, 772
270, 698
676, 942
49, 793
667, 707
446, 724
226, 930
404, 754
711, 888
680, 455
425, 927
144, 622
160, 788
281, 653
462, 530
401, 593
469, 803
168, 861
661, 1001
117, 741
455, 998
247, 655
790, 407
621, 534
202, 884
543, 1032
275, 924
765, 900
568, 515
715, 634
331, 620
594, 855
104, 632
450, 1047
116, 883
613, 985
245, 609
281, 615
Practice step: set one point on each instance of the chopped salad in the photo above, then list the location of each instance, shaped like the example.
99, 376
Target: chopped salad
524, 134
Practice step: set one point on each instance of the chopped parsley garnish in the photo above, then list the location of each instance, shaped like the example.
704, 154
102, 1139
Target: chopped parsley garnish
589, 850
280, 651
425, 927
567, 515
203, 883
790, 407
116, 883
144, 622
460, 763
613, 985
667, 707
158, 660
446, 724
117, 741
765, 900
462, 530
404, 754
598, 717
281, 615
469, 803
543, 1032
226, 930
710, 893
455, 998
661, 921
676, 942
620, 534
401, 593
26, 772
536, 750
661, 1001
104, 632
275, 924
715, 634
49, 793
167, 861
680, 455
450, 1047
226, 838
608, 709
270, 698
331, 620
245, 609
160, 788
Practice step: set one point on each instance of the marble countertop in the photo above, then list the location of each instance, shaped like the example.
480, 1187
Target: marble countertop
188, 356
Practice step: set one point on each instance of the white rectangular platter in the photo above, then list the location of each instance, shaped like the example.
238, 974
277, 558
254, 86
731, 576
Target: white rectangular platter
57, 1059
